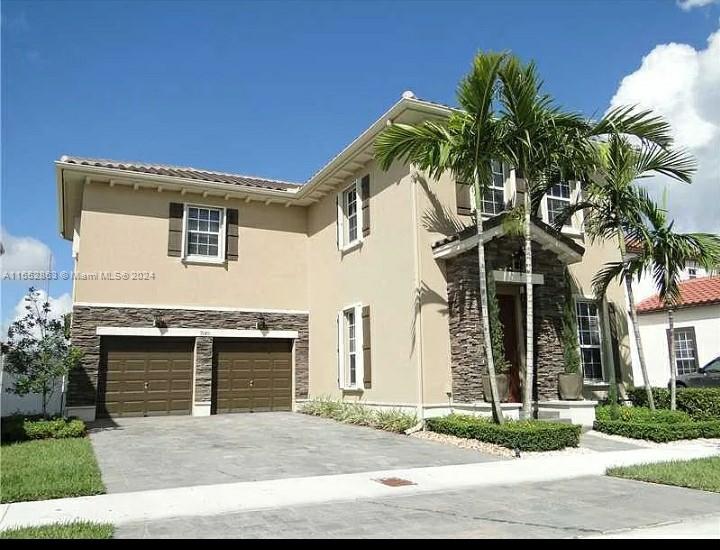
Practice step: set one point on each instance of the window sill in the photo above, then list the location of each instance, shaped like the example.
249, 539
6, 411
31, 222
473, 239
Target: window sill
352, 390
571, 232
203, 261
595, 384
350, 247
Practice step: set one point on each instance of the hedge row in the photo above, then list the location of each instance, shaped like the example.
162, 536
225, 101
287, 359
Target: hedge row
658, 431
524, 435
360, 415
20, 428
641, 414
699, 403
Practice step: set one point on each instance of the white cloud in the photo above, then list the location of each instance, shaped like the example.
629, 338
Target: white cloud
23, 253
683, 84
687, 5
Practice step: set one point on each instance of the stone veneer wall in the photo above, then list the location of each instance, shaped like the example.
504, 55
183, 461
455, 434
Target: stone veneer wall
82, 387
467, 354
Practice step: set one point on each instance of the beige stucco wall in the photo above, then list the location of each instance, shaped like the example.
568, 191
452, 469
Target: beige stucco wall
379, 274
436, 218
597, 254
126, 230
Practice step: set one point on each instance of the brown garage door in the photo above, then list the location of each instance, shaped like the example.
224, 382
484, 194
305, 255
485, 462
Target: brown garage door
252, 375
145, 376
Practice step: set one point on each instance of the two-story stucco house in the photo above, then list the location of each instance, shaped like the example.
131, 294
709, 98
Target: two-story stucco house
199, 292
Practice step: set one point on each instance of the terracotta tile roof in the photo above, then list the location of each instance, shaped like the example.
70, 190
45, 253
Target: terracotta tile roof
693, 292
183, 172
498, 220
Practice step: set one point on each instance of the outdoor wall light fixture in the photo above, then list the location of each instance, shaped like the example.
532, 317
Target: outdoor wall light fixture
260, 324
159, 321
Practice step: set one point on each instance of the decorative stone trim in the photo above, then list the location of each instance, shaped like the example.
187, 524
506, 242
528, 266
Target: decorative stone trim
467, 354
82, 386
202, 391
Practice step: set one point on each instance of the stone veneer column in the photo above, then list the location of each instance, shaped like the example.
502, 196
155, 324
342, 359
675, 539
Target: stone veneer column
202, 376
467, 355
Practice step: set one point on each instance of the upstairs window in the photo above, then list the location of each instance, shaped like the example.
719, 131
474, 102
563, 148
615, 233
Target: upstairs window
493, 201
349, 221
557, 199
588, 321
204, 232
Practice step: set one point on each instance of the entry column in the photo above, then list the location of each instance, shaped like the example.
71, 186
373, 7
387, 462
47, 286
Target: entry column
202, 377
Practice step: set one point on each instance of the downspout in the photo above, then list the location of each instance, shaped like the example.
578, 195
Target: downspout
417, 294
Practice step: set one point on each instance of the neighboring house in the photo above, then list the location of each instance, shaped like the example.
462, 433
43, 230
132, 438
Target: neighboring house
697, 330
200, 292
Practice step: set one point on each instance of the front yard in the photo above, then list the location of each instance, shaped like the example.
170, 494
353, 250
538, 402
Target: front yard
75, 530
703, 473
48, 468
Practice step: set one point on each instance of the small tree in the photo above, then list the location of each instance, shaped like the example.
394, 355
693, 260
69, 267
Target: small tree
570, 342
497, 330
39, 353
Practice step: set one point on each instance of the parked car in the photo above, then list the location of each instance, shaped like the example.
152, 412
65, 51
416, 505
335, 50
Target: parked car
707, 376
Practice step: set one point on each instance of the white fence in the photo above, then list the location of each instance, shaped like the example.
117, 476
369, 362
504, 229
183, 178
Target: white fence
31, 403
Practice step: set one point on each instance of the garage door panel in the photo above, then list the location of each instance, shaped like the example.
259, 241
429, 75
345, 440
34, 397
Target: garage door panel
145, 376
253, 375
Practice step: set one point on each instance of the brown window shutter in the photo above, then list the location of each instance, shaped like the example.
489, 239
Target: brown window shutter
231, 238
175, 218
464, 199
365, 198
367, 356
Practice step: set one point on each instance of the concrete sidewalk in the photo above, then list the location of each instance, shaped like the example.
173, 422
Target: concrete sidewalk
707, 527
213, 500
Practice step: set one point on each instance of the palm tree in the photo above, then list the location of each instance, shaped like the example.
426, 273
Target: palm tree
614, 208
464, 145
665, 255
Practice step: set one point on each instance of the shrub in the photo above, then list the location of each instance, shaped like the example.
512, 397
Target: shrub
641, 414
20, 428
660, 432
699, 403
525, 435
360, 415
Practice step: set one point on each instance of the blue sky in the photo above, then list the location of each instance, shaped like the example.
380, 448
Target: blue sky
275, 88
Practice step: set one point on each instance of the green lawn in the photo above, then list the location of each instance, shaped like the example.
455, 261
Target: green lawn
74, 530
702, 473
48, 468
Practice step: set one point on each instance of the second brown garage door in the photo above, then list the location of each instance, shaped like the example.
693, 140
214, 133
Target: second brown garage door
145, 376
252, 375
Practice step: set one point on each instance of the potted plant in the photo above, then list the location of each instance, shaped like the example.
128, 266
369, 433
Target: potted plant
502, 367
570, 382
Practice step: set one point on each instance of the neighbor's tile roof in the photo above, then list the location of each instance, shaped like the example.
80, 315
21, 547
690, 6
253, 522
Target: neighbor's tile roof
183, 172
693, 292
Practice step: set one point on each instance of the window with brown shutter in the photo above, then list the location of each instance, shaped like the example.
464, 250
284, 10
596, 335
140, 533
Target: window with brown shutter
367, 356
463, 198
231, 241
175, 229
365, 198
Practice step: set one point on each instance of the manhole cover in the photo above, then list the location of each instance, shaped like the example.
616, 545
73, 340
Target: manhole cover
395, 481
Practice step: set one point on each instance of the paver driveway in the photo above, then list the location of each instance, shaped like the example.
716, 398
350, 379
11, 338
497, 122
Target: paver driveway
137, 454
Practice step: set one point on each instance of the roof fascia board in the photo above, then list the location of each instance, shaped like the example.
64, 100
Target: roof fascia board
364, 139
177, 181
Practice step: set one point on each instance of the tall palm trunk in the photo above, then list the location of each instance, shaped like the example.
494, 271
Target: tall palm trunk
638, 341
482, 287
673, 366
529, 333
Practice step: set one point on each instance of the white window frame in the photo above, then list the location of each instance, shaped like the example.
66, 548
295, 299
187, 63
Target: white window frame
199, 259
343, 372
574, 227
343, 243
686, 332
493, 187
603, 359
